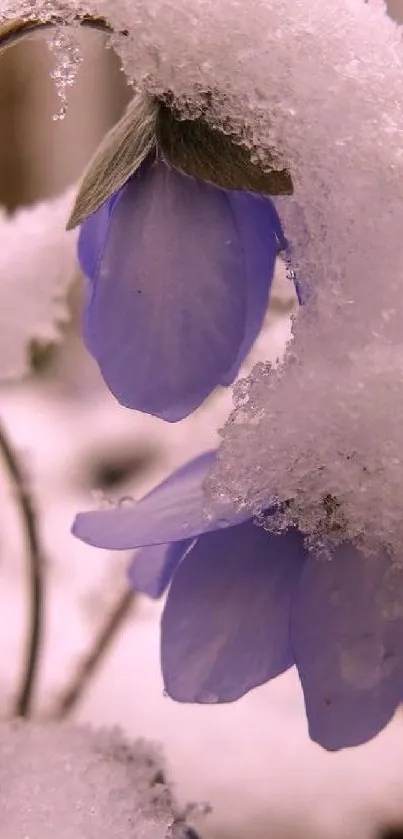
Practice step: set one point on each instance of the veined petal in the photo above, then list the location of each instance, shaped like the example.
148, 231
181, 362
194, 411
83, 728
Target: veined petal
262, 237
225, 626
167, 313
92, 238
348, 646
171, 512
152, 568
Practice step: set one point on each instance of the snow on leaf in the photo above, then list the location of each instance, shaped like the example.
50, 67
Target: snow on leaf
37, 267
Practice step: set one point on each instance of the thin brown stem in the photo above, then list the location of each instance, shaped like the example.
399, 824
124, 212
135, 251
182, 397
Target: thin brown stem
87, 667
23, 701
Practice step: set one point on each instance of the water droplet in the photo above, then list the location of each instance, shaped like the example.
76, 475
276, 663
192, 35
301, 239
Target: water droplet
207, 697
126, 501
102, 501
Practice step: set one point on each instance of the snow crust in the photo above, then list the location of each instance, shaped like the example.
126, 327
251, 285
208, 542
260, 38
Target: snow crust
38, 265
75, 783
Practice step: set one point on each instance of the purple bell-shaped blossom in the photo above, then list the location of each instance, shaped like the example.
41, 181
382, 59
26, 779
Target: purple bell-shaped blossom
245, 604
179, 274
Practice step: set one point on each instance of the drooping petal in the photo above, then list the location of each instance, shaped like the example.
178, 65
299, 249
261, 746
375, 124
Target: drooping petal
152, 568
167, 313
262, 237
173, 511
225, 626
348, 643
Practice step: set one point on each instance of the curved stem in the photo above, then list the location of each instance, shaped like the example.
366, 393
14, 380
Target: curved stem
102, 641
35, 579
17, 30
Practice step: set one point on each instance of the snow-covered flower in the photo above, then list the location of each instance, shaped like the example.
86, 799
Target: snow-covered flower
178, 241
245, 604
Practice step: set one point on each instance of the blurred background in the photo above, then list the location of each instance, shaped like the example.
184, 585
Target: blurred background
252, 761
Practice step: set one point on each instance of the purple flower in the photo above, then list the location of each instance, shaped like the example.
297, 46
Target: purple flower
179, 278
245, 604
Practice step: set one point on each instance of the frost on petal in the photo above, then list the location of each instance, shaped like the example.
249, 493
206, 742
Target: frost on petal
225, 626
37, 267
64, 781
166, 316
347, 630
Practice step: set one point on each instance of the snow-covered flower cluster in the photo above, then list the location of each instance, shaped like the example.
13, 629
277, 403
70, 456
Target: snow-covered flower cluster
251, 134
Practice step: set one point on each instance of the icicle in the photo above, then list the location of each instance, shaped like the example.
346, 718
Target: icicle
63, 44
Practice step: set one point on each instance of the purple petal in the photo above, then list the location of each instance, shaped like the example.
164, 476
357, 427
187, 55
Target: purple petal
173, 511
91, 242
166, 317
152, 568
348, 646
262, 237
225, 626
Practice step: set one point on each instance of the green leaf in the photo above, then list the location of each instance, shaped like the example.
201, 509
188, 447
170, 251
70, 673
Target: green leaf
117, 158
196, 149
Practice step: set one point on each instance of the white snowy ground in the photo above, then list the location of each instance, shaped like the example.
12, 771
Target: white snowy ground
252, 760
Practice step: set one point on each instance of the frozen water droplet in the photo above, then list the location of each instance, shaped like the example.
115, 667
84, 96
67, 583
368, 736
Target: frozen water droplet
126, 501
61, 114
207, 697
101, 499
63, 44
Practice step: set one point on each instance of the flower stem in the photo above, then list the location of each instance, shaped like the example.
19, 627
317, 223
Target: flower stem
87, 667
15, 30
23, 701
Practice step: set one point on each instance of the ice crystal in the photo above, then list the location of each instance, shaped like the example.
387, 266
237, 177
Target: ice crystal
71, 782
329, 444
68, 57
